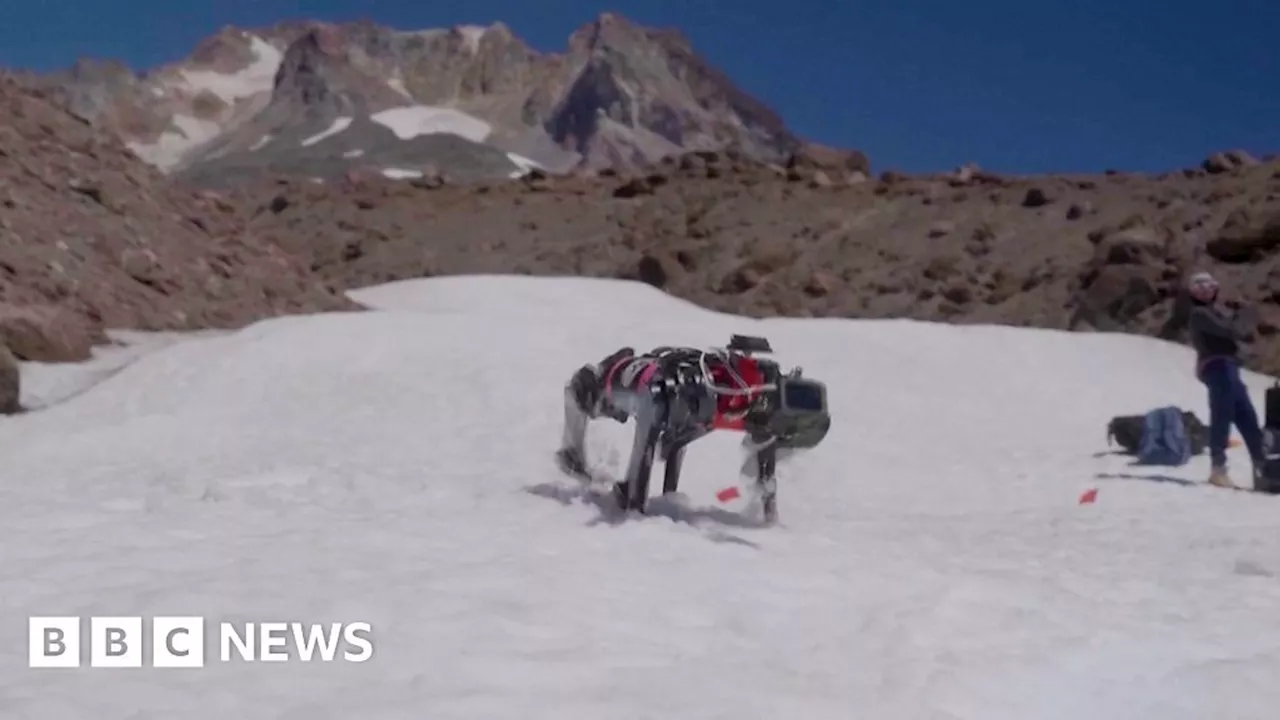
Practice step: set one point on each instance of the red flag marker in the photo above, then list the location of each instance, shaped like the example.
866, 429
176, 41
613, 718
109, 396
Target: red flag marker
727, 494
1089, 496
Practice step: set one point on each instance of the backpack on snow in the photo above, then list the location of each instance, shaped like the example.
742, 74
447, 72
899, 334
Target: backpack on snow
1269, 482
1129, 432
1272, 421
1164, 439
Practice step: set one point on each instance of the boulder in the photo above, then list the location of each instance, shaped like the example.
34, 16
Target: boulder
1113, 296
1246, 236
1036, 197
44, 333
1225, 162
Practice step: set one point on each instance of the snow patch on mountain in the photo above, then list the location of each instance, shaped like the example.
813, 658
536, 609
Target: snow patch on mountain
187, 132
397, 83
471, 36
338, 126
257, 77
401, 174
184, 133
523, 164
411, 121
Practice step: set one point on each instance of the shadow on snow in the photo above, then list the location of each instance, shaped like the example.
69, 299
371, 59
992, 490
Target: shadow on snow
1154, 477
610, 514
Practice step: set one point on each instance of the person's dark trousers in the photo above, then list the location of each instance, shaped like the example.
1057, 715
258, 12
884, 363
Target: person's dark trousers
1229, 404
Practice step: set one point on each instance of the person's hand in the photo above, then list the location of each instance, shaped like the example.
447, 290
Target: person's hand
1246, 320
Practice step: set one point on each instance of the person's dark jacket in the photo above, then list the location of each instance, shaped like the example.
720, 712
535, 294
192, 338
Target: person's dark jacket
1213, 334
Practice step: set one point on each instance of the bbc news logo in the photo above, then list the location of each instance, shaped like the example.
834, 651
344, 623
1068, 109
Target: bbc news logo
179, 642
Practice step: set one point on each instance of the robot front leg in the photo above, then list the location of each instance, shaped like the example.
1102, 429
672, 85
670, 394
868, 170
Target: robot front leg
673, 462
762, 464
673, 450
581, 400
633, 491
650, 414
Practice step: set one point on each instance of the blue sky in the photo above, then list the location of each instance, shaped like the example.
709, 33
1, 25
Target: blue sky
1014, 85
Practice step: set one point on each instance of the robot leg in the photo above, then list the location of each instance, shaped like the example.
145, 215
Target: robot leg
632, 492
584, 400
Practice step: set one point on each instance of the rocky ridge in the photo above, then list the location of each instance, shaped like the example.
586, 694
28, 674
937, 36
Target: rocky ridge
93, 238
474, 102
817, 238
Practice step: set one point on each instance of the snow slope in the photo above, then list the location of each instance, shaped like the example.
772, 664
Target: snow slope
413, 120
187, 132
395, 467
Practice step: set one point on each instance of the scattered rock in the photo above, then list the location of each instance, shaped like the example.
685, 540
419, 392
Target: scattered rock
820, 179
958, 293
741, 280
536, 180
1131, 246
694, 163
965, 174
821, 284
651, 270
91, 191
941, 228
430, 177
1035, 197
1225, 162
813, 156
640, 186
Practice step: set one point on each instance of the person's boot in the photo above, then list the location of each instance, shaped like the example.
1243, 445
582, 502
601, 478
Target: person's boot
1218, 477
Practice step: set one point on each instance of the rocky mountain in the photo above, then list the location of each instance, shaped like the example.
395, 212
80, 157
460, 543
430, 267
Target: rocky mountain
92, 238
318, 99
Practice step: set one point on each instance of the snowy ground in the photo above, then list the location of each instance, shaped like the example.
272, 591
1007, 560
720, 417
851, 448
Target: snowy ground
395, 467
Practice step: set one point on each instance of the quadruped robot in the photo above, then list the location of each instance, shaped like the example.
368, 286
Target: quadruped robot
677, 395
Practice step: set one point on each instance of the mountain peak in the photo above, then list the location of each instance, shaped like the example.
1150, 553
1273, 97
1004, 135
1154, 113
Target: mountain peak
621, 94
607, 29
317, 71
229, 48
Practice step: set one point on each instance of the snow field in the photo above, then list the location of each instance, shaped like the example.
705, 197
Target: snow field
395, 467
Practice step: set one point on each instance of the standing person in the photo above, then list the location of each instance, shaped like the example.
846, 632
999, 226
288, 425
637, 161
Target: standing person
1216, 340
